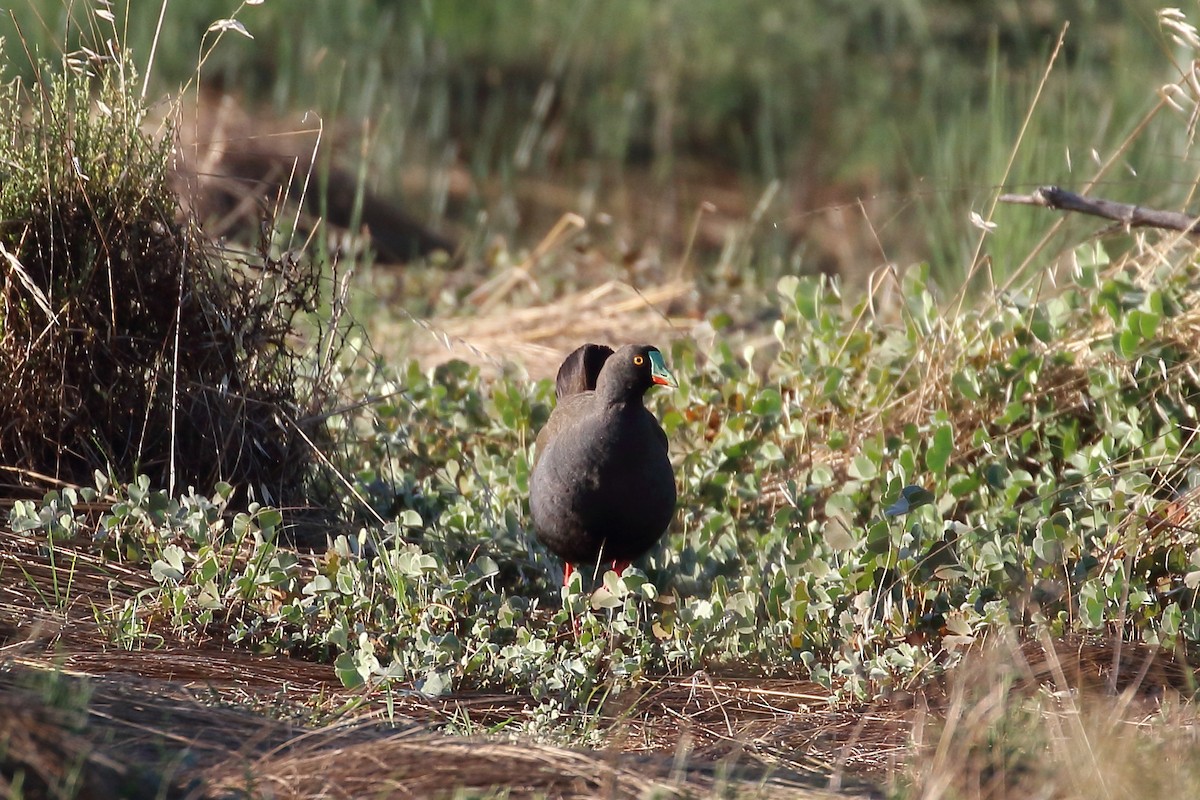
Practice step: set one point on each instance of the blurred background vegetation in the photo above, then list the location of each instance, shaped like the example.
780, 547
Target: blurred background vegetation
861, 132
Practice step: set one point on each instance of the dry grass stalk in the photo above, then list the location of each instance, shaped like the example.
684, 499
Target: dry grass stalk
1039, 720
164, 735
537, 337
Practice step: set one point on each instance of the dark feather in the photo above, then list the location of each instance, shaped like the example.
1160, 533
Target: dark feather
579, 371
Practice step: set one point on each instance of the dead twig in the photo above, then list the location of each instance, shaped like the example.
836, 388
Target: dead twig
1129, 216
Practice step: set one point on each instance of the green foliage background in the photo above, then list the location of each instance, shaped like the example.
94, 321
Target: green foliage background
915, 107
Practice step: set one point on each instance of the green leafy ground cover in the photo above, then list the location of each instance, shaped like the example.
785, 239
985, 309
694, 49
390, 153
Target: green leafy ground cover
881, 495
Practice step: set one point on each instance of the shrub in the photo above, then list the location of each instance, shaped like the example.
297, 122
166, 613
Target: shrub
129, 344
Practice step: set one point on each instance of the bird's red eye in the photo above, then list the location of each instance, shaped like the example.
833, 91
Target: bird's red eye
639, 360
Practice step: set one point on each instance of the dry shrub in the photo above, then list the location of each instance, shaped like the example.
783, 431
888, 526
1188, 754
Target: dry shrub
129, 345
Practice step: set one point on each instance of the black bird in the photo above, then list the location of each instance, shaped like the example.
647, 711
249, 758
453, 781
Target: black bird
602, 487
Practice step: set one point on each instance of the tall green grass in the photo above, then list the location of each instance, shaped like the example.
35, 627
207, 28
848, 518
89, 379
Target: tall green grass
913, 106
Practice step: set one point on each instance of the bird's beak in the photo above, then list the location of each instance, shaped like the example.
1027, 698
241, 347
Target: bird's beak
659, 372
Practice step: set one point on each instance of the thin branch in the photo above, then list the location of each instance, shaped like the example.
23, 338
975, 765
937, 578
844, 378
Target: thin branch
1130, 216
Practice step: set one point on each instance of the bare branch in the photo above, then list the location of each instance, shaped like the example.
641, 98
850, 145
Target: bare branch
1130, 216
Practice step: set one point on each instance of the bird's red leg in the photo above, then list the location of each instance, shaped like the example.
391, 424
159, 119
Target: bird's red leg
619, 567
568, 571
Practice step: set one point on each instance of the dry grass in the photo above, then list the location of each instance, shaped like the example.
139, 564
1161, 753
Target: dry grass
186, 735
1044, 721
537, 337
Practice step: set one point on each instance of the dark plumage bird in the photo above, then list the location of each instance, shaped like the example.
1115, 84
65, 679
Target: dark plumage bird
602, 487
